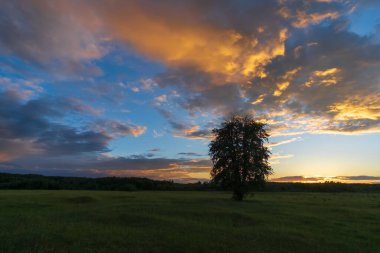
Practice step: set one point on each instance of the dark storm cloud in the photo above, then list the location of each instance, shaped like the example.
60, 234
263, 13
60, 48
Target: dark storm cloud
62, 140
32, 128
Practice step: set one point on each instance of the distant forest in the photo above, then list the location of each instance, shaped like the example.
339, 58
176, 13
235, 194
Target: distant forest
31, 181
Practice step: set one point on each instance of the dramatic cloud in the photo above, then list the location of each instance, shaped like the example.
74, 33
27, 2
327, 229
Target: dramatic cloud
187, 33
33, 128
342, 98
324, 81
263, 54
29, 128
296, 65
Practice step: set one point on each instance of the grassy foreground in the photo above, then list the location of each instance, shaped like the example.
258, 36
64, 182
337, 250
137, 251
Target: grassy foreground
90, 221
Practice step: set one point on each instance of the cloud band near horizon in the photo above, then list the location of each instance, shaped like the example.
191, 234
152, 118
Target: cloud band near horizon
82, 81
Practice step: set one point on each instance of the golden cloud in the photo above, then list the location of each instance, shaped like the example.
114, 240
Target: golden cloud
358, 108
175, 171
325, 77
186, 42
258, 100
326, 72
280, 88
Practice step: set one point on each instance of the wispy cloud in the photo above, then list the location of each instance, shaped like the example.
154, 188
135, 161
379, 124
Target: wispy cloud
118, 129
319, 179
279, 143
276, 157
189, 154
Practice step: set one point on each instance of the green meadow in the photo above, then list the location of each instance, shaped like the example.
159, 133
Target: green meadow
143, 221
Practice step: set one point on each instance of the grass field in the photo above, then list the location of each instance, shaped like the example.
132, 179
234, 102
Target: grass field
90, 221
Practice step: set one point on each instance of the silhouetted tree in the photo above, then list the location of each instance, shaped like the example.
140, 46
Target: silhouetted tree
238, 154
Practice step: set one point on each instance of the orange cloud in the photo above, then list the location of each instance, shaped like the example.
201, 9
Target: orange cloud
258, 100
280, 88
326, 72
193, 132
358, 108
325, 77
138, 130
304, 19
183, 41
189, 172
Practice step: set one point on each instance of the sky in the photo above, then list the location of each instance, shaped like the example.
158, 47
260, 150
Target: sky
134, 88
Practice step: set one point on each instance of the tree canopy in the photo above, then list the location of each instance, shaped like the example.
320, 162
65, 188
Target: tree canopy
239, 155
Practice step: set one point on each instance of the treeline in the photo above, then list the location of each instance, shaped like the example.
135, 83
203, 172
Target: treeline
320, 187
30, 181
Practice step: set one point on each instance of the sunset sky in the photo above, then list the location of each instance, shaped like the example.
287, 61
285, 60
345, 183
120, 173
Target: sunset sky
133, 88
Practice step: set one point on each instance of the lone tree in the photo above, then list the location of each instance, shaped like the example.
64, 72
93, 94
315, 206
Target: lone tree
239, 156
